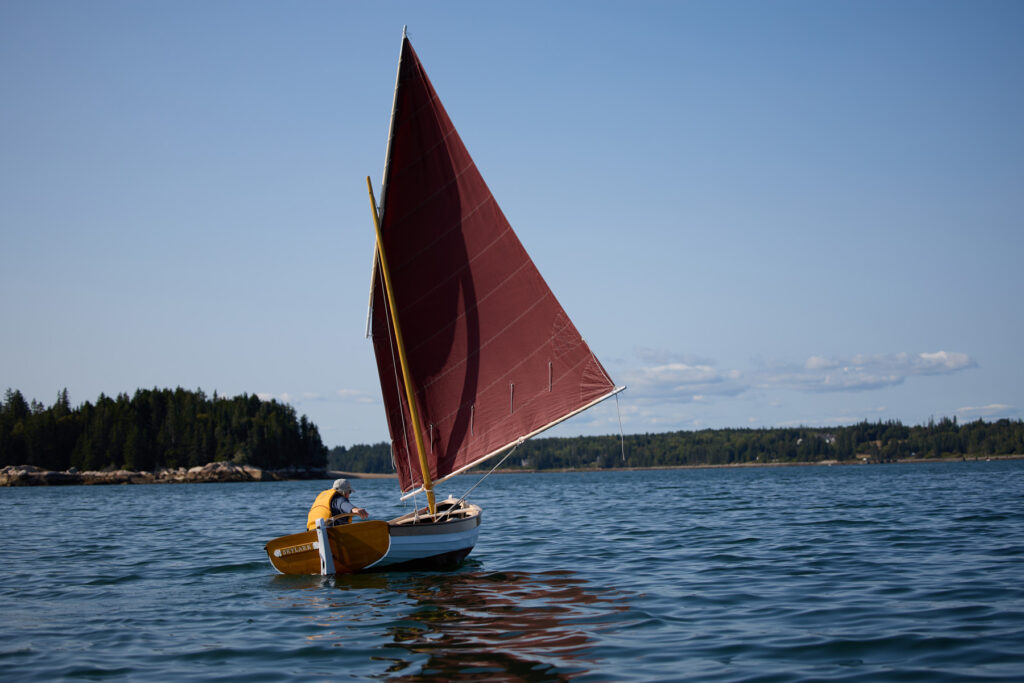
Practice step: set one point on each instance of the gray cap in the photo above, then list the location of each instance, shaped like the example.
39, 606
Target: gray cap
342, 485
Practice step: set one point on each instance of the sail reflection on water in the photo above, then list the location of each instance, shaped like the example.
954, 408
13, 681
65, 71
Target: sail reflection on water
469, 625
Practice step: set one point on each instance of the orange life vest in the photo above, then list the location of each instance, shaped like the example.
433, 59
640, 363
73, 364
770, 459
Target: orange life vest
321, 508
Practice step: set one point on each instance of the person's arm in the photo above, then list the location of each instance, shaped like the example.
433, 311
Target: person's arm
341, 506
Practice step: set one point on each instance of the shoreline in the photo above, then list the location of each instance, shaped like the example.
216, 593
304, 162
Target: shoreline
736, 465
215, 472
220, 472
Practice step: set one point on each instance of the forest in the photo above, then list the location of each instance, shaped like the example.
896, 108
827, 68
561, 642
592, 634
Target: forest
877, 442
164, 428
155, 429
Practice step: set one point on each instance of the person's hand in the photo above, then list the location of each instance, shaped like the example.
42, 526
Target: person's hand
363, 514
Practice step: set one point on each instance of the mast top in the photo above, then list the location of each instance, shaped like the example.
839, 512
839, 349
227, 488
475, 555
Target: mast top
404, 27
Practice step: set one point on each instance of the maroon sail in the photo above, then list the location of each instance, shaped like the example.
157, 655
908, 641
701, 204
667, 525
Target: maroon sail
493, 357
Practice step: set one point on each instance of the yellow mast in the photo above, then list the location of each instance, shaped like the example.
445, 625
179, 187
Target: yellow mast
428, 485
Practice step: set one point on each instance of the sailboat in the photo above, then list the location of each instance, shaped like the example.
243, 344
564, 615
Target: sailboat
474, 353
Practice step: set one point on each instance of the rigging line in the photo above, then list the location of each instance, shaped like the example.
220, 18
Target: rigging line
489, 473
622, 436
498, 451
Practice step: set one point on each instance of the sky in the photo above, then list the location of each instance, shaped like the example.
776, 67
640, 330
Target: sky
758, 214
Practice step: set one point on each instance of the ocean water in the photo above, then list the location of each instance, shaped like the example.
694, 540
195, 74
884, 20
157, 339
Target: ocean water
857, 573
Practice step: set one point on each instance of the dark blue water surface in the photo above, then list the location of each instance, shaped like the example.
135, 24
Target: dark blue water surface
858, 573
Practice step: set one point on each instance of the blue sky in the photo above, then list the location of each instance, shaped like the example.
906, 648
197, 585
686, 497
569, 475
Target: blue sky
758, 214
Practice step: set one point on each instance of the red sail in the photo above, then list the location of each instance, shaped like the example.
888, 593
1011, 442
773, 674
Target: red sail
492, 355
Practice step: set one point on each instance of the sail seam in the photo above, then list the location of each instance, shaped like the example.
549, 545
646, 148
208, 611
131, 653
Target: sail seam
485, 343
450, 415
528, 402
418, 162
479, 300
455, 273
532, 400
432, 98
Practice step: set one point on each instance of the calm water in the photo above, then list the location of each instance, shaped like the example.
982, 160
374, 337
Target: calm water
863, 573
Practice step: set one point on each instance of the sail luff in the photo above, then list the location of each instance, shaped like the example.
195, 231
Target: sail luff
391, 127
384, 180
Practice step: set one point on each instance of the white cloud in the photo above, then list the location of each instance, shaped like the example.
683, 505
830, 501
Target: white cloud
677, 391
668, 377
863, 372
341, 395
354, 396
681, 382
942, 362
681, 373
651, 356
991, 410
819, 363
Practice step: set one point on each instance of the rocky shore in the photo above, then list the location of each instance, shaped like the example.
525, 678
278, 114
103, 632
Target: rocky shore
28, 475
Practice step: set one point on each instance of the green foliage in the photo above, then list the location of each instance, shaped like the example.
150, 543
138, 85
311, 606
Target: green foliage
157, 428
872, 441
375, 459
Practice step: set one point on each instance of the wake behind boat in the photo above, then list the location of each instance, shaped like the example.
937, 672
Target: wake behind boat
474, 353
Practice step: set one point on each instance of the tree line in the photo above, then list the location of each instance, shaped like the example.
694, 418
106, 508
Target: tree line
154, 429
164, 428
866, 441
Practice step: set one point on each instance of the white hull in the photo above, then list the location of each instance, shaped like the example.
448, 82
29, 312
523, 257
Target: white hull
415, 540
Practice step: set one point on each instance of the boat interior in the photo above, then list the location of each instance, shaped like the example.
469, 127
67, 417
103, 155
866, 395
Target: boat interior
448, 510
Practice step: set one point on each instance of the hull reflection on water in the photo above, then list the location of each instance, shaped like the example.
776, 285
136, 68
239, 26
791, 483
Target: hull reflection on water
470, 624
507, 623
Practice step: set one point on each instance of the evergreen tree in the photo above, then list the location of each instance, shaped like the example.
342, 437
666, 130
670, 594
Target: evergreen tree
154, 429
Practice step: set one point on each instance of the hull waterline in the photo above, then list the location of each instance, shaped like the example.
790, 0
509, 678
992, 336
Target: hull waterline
433, 543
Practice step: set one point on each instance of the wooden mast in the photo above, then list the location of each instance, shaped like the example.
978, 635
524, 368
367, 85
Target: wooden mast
410, 395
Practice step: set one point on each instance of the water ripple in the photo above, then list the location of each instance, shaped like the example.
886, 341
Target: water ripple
781, 574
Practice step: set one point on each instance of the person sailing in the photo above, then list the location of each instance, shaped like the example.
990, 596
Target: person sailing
334, 501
